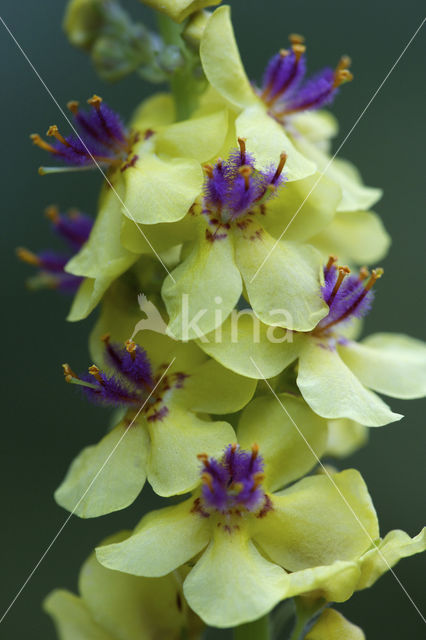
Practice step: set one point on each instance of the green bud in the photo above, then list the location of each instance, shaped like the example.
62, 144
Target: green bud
83, 21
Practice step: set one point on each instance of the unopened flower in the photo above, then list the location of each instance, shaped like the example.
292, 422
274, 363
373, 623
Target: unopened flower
113, 606
74, 228
163, 426
178, 10
335, 374
252, 545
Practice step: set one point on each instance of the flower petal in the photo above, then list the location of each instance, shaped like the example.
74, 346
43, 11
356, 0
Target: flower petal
102, 259
302, 208
333, 391
102, 256
120, 318
198, 138
282, 279
211, 388
178, 10
176, 440
142, 239
355, 236
266, 140
396, 545
297, 535
131, 607
155, 112
162, 541
222, 62
334, 582
345, 437
160, 190
316, 126
265, 422
206, 287
248, 347
72, 618
108, 476
88, 296
232, 583
331, 625
355, 196
390, 363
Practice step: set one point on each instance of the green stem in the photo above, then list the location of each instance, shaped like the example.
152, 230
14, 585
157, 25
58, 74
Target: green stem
257, 630
184, 85
298, 629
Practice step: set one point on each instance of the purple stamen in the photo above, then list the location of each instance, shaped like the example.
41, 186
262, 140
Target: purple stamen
348, 296
233, 483
75, 228
101, 138
131, 362
283, 89
234, 187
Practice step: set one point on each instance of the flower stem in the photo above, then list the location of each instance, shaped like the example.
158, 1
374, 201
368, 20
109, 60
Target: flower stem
184, 84
257, 630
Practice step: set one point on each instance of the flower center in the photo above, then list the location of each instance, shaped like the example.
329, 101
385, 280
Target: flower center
101, 139
235, 189
131, 382
348, 296
232, 486
284, 89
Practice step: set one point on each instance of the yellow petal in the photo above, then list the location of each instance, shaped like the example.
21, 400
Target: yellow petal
160, 190
395, 545
345, 437
163, 541
232, 583
390, 363
178, 10
355, 196
176, 440
206, 287
249, 347
156, 112
354, 236
222, 62
297, 535
212, 388
333, 391
279, 439
72, 618
331, 625
335, 582
266, 140
108, 476
198, 138
131, 607
282, 278
302, 209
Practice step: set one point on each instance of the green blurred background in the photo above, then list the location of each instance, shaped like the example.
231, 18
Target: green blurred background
45, 423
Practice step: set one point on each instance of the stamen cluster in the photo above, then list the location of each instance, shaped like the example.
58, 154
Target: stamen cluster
348, 296
234, 188
101, 137
284, 90
233, 484
75, 228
